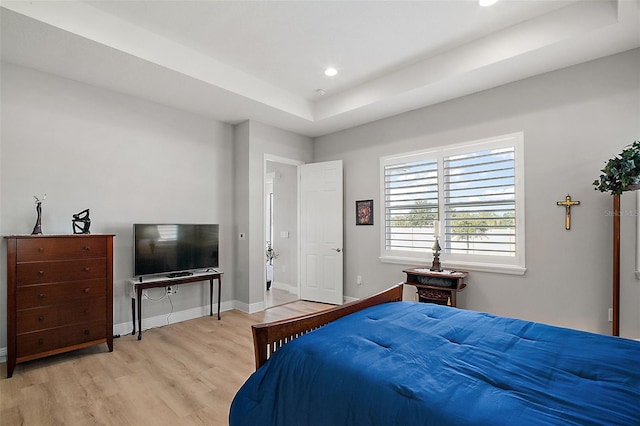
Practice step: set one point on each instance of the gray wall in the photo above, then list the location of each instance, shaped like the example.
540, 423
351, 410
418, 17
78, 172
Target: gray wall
241, 203
92, 148
130, 161
573, 121
257, 140
126, 159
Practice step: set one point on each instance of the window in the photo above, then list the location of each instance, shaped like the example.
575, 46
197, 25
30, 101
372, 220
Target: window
475, 190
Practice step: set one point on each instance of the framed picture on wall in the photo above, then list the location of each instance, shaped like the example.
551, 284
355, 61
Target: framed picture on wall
364, 212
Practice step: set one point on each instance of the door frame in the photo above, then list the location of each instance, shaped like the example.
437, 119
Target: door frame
292, 162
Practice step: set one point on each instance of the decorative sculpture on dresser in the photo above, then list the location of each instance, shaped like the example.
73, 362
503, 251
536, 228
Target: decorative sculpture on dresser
435, 265
37, 229
81, 222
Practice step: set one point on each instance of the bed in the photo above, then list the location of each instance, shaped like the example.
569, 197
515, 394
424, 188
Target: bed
382, 361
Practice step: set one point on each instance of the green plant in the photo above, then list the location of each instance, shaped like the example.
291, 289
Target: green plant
621, 171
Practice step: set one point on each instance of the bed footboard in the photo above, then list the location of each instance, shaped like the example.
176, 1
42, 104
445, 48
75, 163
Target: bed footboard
269, 337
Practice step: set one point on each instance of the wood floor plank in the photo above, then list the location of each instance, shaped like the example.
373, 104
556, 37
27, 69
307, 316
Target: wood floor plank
185, 373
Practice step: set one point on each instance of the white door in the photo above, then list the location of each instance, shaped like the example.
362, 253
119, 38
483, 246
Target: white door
321, 251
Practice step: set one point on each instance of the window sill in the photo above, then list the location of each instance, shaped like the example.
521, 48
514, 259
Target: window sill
466, 266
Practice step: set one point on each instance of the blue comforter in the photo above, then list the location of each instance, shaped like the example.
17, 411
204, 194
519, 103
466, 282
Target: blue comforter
409, 363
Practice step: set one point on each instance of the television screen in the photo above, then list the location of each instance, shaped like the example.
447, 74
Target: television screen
161, 248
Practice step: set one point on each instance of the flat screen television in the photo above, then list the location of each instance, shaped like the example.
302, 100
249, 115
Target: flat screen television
171, 248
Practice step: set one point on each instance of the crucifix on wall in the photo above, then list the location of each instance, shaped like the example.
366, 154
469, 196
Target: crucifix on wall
567, 204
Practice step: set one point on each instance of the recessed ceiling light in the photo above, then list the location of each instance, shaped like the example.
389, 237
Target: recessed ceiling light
330, 72
487, 3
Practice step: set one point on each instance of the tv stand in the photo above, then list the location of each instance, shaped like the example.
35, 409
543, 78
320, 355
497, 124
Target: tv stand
179, 274
140, 284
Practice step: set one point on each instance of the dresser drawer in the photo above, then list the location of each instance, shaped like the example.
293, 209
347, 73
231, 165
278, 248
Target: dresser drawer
78, 312
55, 271
81, 333
37, 319
33, 250
34, 343
34, 296
83, 311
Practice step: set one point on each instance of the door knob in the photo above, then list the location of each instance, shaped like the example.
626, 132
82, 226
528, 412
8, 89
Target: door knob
337, 249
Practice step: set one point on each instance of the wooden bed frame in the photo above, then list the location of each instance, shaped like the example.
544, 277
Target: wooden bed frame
269, 337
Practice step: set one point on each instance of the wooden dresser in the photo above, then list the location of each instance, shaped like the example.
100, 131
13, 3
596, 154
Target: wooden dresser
59, 294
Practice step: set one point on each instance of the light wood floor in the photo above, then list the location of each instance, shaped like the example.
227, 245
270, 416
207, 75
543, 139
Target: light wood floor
276, 297
181, 374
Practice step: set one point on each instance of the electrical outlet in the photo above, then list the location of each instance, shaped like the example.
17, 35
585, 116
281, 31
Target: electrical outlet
359, 280
171, 290
610, 314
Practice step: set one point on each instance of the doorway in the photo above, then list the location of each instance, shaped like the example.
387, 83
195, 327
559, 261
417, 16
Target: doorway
281, 232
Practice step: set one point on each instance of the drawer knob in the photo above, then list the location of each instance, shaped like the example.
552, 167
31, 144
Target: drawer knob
41, 296
41, 273
40, 318
87, 290
86, 269
86, 311
40, 249
87, 248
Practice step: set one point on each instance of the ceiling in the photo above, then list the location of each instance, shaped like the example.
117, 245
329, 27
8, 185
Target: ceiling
264, 60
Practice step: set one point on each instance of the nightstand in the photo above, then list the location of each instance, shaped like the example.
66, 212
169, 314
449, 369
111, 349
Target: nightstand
436, 287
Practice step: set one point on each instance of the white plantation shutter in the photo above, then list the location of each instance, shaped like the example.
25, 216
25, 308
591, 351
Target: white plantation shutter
411, 204
480, 202
475, 189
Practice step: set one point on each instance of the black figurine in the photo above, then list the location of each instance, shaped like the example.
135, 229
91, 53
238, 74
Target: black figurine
81, 222
37, 229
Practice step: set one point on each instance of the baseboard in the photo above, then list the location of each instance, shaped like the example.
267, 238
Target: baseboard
174, 317
248, 308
